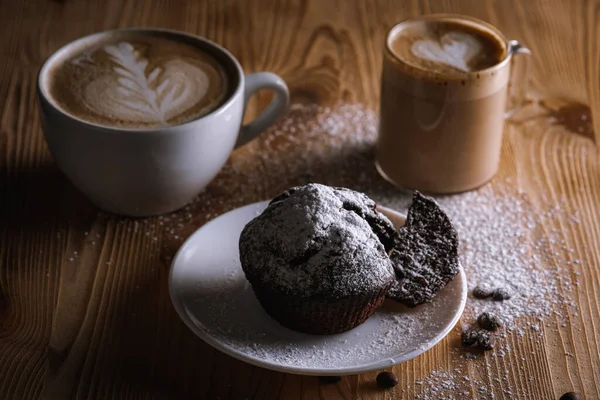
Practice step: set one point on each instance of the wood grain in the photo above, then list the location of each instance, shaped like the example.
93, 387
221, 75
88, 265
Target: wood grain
84, 305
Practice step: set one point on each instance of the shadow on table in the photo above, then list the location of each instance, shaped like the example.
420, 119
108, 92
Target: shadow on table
36, 199
146, 348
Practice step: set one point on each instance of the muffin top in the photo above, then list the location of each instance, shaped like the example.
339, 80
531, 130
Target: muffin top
315, 240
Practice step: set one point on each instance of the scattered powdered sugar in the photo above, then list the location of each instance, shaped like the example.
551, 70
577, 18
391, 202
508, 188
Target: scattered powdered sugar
324, 144
503, 246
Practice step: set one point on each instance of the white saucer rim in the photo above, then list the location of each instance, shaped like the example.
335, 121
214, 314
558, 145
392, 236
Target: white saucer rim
240, 355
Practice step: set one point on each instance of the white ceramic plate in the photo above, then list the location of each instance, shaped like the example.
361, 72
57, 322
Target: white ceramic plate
212, 296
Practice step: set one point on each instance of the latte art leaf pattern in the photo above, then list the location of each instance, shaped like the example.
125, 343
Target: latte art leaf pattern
140, 90
138, 81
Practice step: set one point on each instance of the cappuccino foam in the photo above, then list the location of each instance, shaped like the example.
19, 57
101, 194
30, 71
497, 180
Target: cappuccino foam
137, 80
447, 47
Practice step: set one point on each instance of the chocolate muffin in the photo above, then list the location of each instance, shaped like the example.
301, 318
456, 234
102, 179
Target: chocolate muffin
425, 255
317, 258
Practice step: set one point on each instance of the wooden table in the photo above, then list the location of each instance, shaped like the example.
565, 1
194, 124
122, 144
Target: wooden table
84, 305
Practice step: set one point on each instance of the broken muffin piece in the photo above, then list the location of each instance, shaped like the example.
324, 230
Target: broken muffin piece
425, 255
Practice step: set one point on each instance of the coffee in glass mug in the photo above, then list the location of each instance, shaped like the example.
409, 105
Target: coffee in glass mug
443, 102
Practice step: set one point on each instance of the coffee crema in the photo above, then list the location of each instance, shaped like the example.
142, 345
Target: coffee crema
447, 47
137, 80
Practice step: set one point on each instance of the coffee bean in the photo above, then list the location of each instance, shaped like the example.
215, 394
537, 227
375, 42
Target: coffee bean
570, 396
486, 340
489, 321
330, 379
481, 293
501, 294
469, 337
387, 379
479, 337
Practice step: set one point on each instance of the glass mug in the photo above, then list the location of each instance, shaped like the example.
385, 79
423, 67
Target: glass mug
441, 131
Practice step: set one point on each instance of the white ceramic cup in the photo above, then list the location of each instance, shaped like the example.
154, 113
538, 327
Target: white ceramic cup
143, 172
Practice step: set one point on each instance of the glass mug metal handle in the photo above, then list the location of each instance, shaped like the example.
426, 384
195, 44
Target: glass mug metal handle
519, 78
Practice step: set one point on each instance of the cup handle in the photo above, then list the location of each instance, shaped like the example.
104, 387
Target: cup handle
519, 79
255, 82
